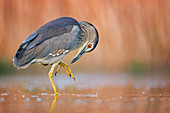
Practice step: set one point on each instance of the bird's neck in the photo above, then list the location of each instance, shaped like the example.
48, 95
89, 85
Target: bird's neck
81, 40
83, 35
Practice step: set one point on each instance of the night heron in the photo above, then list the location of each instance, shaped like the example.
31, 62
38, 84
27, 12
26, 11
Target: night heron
51, 42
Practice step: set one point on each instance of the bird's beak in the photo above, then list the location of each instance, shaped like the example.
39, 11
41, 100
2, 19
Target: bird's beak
79, 54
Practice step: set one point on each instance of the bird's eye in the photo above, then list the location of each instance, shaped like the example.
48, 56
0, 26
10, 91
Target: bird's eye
89, 46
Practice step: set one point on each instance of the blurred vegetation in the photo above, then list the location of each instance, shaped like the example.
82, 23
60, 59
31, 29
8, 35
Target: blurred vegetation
6, 67
128, 30
138, 68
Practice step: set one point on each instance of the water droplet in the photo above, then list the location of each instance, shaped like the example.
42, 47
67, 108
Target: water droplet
52, 94
89, 95
34, 96
27, 99
38, 99
79, 95
44, 93
1, 99
3, 94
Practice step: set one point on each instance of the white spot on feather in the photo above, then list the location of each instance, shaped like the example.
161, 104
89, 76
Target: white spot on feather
66, 51
52, 54
58, 54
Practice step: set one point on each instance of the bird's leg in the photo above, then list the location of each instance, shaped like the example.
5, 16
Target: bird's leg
58, 69
60, 65
70, 72
67, 69
50, 74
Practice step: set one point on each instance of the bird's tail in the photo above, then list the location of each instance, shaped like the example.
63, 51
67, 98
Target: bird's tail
20, 60
23, 56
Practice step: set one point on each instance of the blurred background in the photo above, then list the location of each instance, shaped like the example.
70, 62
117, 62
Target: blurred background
127, 72
134, 34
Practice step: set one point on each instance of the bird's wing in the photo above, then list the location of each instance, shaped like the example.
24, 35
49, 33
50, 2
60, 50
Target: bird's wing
56, 35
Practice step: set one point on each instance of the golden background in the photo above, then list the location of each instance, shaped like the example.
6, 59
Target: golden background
132, 33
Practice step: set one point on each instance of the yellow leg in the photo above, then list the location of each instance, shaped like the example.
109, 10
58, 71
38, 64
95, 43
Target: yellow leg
51, 77
59, 68
60, 65
70, 72
67, 69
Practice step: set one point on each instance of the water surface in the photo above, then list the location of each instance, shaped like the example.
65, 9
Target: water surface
90, 93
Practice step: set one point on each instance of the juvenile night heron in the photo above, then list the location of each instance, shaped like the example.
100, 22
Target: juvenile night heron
51, 42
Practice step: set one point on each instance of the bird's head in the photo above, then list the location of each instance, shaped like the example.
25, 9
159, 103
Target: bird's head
91, 36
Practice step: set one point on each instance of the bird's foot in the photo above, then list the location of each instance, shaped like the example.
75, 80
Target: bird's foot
67, 69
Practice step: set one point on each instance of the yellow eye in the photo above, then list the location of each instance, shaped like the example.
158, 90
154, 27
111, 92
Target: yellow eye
89, 46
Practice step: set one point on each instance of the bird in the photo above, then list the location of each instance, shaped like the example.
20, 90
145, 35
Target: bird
51, 42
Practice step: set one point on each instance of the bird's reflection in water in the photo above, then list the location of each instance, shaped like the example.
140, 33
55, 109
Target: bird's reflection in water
53, 103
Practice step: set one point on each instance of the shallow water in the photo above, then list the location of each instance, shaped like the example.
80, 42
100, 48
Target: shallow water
97, 93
